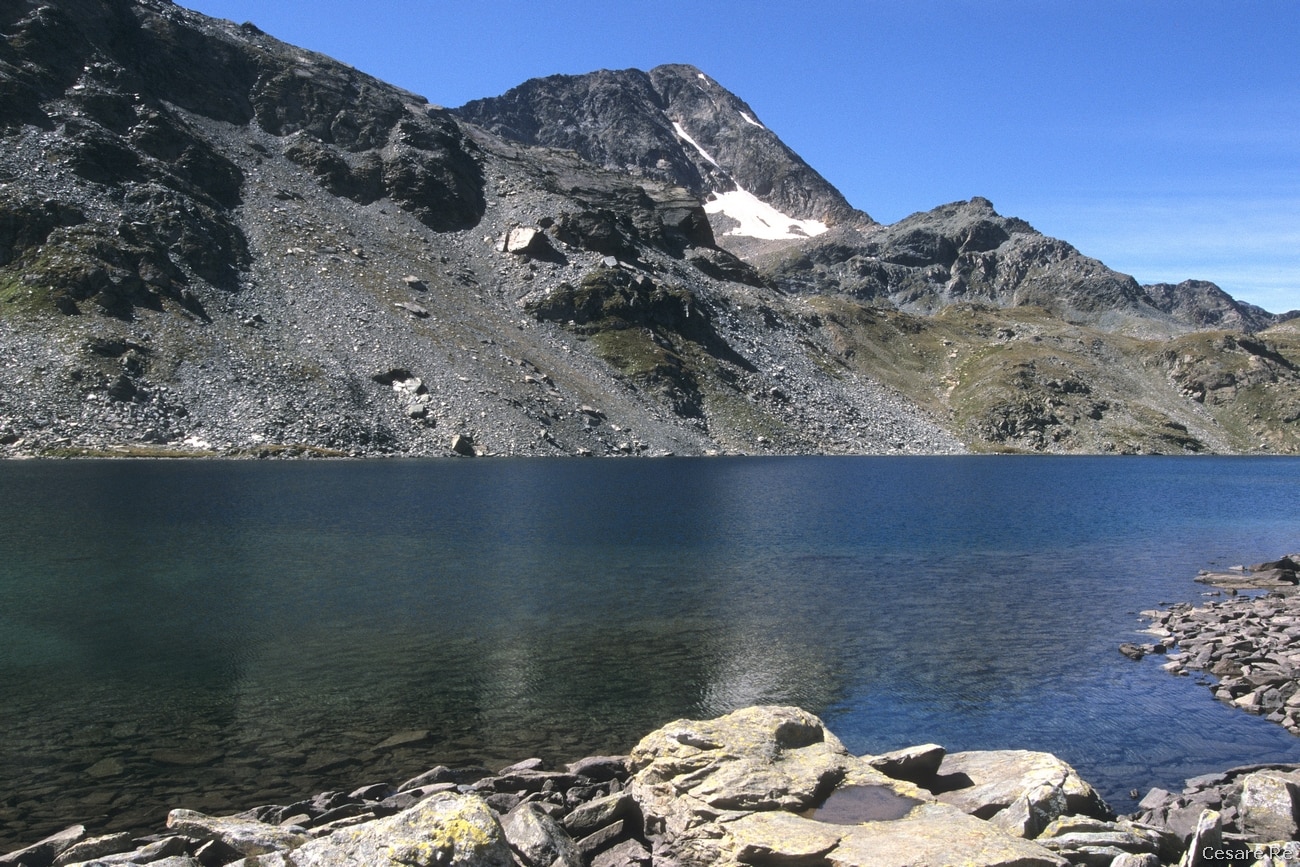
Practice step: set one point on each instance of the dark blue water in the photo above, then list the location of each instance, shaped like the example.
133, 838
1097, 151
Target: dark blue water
220, 634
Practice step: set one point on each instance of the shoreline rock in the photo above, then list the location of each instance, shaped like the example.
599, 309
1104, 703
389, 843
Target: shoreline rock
759, 786
1248, 642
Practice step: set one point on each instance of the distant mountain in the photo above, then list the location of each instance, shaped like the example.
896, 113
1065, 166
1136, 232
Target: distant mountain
212, 242
676, 124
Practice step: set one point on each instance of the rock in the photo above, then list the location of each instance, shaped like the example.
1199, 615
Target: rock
599, 840
526, 765
538, 839
629, 853
445, 829
1130, 860
784, 838
601, 768
439, 774
1032, 811
692, 777
109, 767
1207, 838
941, 836
417, 310
404, 739
999, 778
96, 847
415, 283
596, 814
915, 764
527, 240
244, 836
175, 850
1090, 841
45, 851
1132, 651
1269, 806
463, 445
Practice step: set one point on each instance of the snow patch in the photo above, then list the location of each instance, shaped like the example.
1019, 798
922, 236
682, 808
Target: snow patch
758, 219
685, 136
750, 120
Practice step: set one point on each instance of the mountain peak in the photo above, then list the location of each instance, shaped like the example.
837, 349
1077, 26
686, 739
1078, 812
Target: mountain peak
674, 124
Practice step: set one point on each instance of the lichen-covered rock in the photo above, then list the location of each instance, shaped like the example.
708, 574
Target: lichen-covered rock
1270, 802
446, 830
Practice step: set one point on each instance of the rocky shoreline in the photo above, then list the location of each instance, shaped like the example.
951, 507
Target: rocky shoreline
1246, 639
760, 786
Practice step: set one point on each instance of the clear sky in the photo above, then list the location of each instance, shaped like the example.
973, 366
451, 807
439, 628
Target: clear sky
1160, 136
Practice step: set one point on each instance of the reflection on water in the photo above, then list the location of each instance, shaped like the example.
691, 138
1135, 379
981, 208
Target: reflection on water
223, 634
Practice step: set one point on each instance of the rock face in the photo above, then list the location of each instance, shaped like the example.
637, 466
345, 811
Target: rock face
213, 243
672, 123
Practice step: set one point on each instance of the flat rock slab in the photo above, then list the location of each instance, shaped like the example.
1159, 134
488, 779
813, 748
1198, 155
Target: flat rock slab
937, 836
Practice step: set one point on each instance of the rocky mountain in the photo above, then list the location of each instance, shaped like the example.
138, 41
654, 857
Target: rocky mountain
212, 242
674, 124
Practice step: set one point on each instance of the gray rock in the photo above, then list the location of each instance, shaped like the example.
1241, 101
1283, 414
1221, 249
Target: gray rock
629, 853
45, 851
1207, 838
96, 847
600, 768
538, 839
1002, 777
935, 834
1270, 806
596, 814
916, 764
244, 836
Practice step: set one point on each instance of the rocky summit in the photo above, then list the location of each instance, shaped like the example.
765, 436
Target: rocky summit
214, 243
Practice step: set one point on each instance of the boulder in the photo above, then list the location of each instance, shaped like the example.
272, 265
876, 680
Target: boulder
1206, 840
243, 835
693, 779
915, 764
1000, 778
526, 240
1091, 841
447, 830
600, 812
96, 847
1270, 801
538, 840
45, 851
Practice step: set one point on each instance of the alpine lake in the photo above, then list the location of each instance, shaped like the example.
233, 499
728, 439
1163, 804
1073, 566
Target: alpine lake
221, 634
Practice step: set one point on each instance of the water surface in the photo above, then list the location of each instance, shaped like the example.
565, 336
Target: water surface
222, 634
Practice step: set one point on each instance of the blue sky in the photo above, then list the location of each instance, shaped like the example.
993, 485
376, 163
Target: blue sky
1160, 136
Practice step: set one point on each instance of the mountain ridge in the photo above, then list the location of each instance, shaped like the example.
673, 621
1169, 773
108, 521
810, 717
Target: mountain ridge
215, 243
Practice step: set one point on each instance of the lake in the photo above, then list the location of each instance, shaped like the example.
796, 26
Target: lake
218, 635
